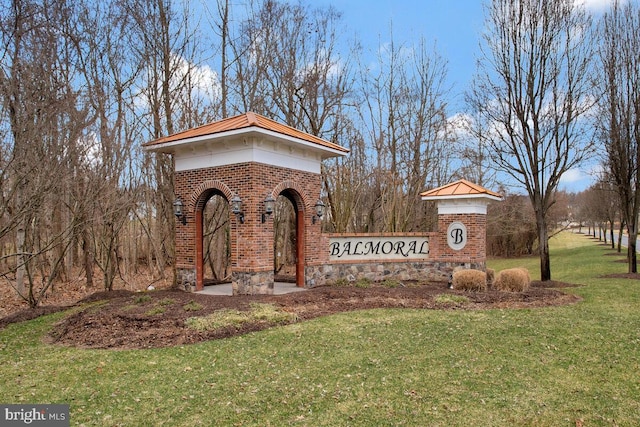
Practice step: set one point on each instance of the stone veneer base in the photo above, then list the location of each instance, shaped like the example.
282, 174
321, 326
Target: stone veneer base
262, 282
186, 279
252, 283
439, 271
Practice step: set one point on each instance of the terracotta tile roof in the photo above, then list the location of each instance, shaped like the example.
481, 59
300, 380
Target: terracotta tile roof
244, 121
460, 189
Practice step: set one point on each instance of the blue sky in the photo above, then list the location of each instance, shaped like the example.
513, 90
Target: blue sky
454, 25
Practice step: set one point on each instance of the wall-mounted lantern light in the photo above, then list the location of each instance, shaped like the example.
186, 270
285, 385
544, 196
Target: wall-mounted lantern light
319, 207
269, 204
178, 212
236, 208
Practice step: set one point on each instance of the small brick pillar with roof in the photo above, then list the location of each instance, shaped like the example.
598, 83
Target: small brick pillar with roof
462, 222
247, 160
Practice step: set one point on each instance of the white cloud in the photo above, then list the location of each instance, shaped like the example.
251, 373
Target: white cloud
576, 179
461, 125
204, 81
572, 176
597, 5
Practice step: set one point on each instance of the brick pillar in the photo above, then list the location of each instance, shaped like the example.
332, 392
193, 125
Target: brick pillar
462, 237
252, 256
462, 232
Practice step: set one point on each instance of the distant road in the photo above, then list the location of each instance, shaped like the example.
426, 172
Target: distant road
625, 239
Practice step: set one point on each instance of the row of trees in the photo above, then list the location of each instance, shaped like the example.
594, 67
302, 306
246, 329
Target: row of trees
553, 87
511, 223
598, 210
84, 83
618, 113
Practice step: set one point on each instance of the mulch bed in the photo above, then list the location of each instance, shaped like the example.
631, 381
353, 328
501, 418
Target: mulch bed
632, 276
136, 320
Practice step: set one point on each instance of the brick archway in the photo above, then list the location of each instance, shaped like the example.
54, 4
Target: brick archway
197, 202
244, 158
300, 201
297, 200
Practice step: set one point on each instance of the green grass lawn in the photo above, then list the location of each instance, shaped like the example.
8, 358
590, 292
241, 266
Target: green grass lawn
559, 366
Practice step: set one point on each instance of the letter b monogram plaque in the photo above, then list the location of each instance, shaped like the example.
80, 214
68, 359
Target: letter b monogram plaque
457, 235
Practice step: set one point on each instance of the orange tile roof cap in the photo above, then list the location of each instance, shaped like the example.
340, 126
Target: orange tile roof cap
459, 189
244, 121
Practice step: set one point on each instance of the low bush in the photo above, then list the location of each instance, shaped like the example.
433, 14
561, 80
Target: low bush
469, 280
142, 299
192, 306
390, 283
512, 280
341, 282
155, 311
450, 300
226, 317
363, 283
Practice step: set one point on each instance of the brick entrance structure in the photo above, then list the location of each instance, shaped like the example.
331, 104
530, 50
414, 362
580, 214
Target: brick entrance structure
248, 160
459, 242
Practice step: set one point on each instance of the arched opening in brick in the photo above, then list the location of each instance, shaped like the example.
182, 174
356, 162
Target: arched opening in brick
213, 243
288, 239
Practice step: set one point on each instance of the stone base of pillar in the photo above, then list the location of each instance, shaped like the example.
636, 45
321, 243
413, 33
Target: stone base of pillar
186, 279
252, 282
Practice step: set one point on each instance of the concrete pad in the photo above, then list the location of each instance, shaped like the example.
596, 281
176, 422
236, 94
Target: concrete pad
279, 288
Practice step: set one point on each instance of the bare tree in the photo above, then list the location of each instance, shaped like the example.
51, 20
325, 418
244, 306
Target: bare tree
347, 182
404, 118
224, 28
167, 43
104, 196
472, 138
533, 88
618, 77
46, 117
599, 205
511, 228
287, 66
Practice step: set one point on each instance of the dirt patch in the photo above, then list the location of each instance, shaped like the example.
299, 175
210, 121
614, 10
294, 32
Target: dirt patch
136, 320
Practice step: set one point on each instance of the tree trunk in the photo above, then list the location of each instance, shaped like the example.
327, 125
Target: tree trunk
611, 235
20, 259
87, 251
632, 254
543, 247
620, 236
